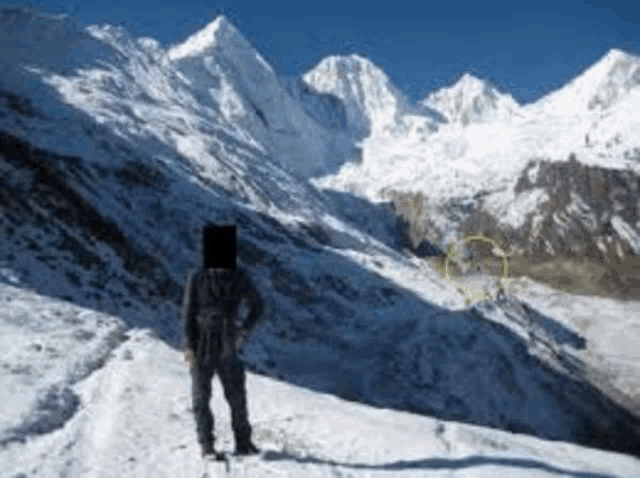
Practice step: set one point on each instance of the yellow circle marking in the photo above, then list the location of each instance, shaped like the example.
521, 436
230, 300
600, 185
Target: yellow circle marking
454, 253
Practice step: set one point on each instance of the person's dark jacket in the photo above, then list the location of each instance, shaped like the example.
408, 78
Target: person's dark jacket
196, 297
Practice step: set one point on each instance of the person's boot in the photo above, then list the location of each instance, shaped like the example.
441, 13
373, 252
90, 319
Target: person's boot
209, 452
244, 446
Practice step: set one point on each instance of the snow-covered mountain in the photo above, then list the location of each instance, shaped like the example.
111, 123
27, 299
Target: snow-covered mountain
372, 103
471, 99
228, 71
607, 81
466, 176
114, 153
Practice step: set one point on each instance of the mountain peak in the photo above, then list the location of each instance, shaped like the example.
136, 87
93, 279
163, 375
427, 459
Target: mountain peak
621, 73
467, 78
468, 83
616, 54
352, 57
219, 33
471, 99
598, 86
370, 99
604, 67
353, 63
221, 22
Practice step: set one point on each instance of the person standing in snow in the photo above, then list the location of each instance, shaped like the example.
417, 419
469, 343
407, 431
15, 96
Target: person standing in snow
212, 332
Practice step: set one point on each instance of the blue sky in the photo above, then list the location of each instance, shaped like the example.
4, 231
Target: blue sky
422, 45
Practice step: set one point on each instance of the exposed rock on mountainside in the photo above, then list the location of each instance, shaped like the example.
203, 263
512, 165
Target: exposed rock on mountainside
587, 206
581, 213
555, 210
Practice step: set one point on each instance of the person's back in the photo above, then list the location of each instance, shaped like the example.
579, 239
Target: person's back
212, 332
213, 304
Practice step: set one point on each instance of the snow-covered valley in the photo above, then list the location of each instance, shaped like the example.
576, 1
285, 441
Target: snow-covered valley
369, 362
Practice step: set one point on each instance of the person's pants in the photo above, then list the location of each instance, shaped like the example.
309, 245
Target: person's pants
232, 375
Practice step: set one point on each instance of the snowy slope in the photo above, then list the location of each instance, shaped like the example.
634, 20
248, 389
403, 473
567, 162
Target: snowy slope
106, 169
221, 64
135, 420
471, 99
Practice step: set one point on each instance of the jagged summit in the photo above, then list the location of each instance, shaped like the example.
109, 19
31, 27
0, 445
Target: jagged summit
216, 34
471, 99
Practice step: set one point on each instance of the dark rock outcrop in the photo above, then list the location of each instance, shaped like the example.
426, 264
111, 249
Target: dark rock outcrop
591, 213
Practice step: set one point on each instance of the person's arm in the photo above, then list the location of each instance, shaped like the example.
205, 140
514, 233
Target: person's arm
250, 293
257, 309
188, 311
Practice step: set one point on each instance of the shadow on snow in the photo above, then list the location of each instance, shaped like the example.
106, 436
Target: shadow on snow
439, 464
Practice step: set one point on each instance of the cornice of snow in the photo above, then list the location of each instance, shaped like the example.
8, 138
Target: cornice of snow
472, 100
598, 87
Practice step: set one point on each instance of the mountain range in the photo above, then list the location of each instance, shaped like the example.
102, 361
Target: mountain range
114, 151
